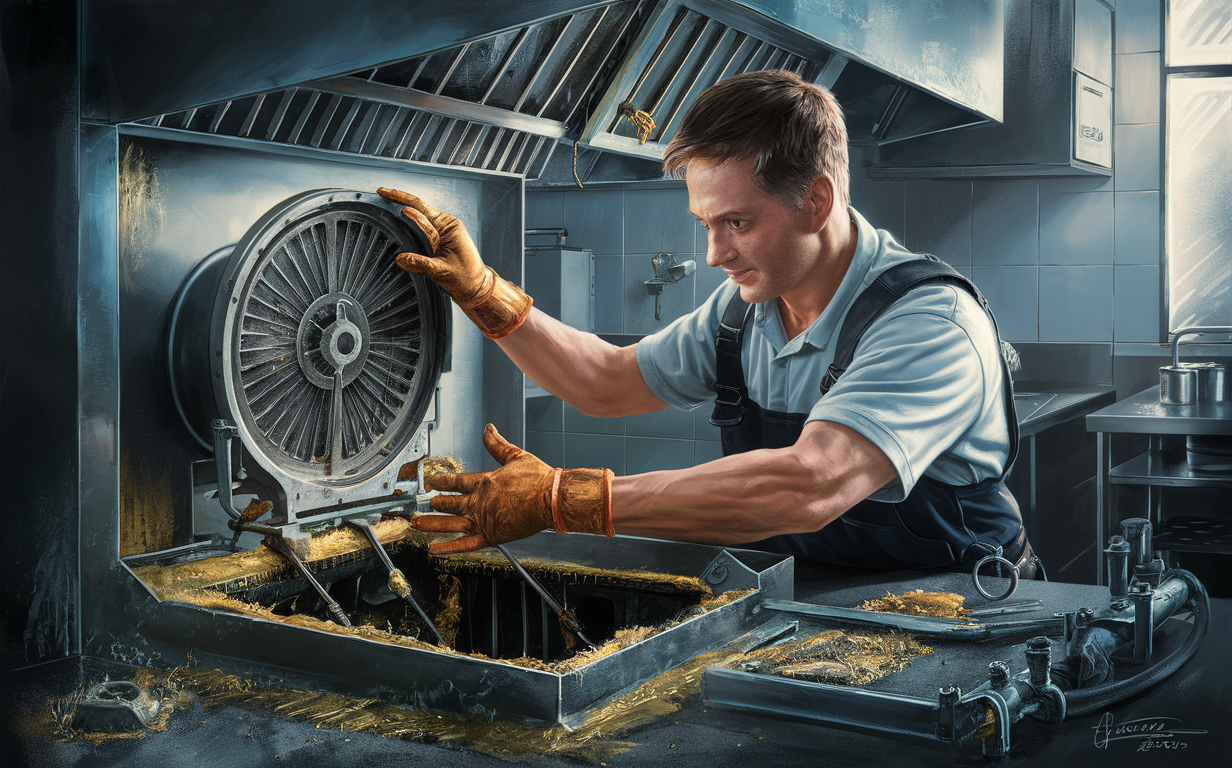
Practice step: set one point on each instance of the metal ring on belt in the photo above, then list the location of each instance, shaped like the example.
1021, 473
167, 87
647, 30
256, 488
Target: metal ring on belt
994, 558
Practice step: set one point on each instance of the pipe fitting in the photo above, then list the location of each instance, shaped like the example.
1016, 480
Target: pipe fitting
998, 674
1137, 531
1039, 659
1118, 553
1144, 628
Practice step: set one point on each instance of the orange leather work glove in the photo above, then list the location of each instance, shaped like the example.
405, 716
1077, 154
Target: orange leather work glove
493, 303
521, 498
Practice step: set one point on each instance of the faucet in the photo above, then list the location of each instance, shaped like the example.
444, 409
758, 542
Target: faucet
666, 271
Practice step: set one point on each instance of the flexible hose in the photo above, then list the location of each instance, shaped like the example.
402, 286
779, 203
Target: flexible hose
1088, 700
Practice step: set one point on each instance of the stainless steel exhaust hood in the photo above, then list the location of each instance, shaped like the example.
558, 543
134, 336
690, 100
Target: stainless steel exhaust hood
499, 88
1058, 103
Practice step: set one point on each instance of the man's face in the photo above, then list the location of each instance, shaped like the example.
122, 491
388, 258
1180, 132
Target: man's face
763, 245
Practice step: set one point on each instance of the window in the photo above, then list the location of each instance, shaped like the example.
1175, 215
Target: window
1198, 162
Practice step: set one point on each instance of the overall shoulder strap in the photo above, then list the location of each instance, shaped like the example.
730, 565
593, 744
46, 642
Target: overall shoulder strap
892, 285
729, 386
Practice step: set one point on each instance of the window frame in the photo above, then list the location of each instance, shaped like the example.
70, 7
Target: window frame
1168, 74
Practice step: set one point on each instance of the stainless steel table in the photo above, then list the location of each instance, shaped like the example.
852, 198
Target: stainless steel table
1048, 412
1155, 468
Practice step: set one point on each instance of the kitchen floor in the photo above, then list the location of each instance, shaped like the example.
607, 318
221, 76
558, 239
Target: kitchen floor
696, 735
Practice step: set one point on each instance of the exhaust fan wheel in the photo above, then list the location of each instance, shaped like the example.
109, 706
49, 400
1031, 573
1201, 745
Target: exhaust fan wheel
324, 352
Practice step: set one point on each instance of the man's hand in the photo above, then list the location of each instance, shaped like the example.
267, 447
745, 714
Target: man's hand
521, 498
497, 306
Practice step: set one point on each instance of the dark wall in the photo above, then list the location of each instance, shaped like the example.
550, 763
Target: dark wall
38, 329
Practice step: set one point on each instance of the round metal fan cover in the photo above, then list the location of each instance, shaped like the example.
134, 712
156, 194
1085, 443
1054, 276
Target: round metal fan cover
326, 353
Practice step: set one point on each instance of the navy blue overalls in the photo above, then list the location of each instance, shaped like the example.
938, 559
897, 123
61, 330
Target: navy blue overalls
937, 525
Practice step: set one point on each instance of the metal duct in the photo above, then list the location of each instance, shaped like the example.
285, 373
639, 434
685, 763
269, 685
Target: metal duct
503, 101
323, 118
681, 52
497, 103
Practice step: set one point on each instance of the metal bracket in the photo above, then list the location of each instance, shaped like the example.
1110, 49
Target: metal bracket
224, 431
726, 573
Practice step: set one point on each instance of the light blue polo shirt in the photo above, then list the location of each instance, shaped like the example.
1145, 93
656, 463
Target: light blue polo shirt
925, 385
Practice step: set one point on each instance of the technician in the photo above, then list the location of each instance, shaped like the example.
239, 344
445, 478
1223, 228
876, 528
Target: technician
866, 410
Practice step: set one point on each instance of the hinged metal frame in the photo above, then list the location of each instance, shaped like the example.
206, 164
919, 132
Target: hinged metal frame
309, 499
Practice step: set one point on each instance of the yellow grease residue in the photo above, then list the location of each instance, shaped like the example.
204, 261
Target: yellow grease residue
262, 565
486, 561
839, 657
436, 466
448, 617
945, 605
861, 656
142, 213
146, 501
206, 582
599, 737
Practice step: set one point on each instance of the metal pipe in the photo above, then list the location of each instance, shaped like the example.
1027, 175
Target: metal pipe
1137, 531
525, 622
397, 581
495, 620
279, 545
1118, 553
1144, 627
223, 432
1178, 333
1191, 591
560, 232
566, 617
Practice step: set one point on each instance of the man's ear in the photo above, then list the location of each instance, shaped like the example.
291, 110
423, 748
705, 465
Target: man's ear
819, 201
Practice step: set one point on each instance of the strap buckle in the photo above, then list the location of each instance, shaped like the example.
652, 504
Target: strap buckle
729, 342
736, 393
831, 378
727, 413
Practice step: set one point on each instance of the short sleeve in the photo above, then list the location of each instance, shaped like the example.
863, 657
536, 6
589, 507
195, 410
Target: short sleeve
915, 386
678, 362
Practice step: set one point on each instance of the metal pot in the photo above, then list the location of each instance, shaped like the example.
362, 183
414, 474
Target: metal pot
1190, 383
1178, 385
1212, 381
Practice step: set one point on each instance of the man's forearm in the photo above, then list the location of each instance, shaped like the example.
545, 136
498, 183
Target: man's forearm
754, 495
597, 378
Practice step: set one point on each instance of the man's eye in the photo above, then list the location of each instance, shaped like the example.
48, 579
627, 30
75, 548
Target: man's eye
737, 223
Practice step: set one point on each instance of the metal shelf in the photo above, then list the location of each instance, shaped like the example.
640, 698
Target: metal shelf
1168, 468
1194, 534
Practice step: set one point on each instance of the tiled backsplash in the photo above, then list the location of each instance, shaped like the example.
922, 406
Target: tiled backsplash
1071, 266
625, 228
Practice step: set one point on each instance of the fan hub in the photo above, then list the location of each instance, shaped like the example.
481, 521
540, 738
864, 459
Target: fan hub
333, 335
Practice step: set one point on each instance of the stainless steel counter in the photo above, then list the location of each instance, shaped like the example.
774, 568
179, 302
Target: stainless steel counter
1143, 414
1040, 407
1157, 467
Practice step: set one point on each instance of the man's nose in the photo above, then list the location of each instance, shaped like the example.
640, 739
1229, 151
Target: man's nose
717, 253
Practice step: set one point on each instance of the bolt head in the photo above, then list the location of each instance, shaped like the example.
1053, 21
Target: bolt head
999, 674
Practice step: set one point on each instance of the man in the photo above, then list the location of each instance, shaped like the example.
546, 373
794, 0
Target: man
900, 464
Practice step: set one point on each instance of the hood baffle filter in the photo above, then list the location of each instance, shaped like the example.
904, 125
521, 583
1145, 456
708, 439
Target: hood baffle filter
322, 352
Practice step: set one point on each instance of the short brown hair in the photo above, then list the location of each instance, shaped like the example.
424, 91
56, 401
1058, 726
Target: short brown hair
794, 128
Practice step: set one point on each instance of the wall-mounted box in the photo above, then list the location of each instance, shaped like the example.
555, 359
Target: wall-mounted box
561, 281
1058, 103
